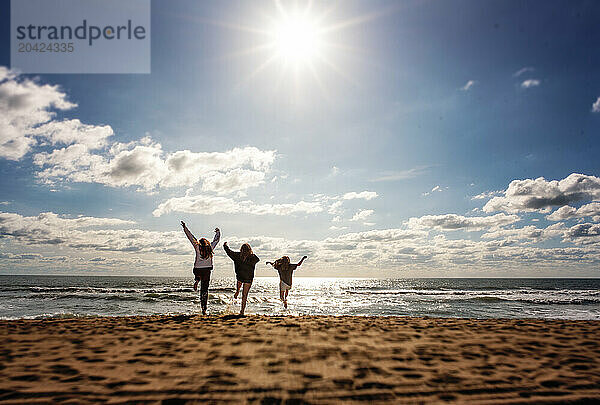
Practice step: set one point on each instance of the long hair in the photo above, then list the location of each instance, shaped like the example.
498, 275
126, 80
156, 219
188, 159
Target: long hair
245, 252
283, 263
206, 249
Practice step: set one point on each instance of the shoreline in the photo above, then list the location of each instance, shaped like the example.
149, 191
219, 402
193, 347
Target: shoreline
300, 359
187, 276
291, 315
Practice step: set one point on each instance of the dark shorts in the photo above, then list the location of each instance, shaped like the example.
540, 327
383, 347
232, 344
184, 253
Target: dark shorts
247, 280
202, 274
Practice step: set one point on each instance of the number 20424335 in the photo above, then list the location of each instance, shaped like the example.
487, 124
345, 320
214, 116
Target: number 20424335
46, 47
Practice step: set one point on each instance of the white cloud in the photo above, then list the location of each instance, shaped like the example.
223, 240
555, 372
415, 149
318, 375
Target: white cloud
48, 220
82, 153
143, 164
453, 222
563, 213
68, 132
584, 233
389, 249
89, 234
486, 195
209, 205
335, 208
527, 232
365, 195
468, 85
25, 104
379, 235
530, 83
568, 212
540, 195
596, 106
361, 215
433, 190
51, 229
523, 70
234, 180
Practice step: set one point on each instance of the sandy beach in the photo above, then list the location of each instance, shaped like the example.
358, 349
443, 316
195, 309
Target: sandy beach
306, 359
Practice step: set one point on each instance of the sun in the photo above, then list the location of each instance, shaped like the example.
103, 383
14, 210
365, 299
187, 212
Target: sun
297, 39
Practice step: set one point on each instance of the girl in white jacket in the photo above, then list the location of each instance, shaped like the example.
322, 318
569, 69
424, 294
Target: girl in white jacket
203, 263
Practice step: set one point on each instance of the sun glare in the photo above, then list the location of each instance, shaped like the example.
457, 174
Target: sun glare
296, 40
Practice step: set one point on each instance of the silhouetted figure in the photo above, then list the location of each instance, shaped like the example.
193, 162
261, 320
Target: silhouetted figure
244, 262
203, 263
285, 269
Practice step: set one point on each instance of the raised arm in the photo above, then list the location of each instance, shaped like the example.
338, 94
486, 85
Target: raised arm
189, 234
216, 238
229, 252
301, 261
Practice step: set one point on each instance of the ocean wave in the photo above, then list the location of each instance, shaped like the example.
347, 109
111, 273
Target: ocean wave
538, 301
47, 297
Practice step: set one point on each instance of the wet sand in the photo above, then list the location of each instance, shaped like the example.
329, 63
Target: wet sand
307, 359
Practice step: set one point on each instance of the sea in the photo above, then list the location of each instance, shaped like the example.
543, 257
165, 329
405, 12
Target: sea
38, 297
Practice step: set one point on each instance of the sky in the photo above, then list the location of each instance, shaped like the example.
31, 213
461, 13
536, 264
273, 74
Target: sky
379, 138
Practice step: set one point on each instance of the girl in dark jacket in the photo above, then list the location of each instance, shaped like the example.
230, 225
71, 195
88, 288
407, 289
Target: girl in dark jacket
244, 262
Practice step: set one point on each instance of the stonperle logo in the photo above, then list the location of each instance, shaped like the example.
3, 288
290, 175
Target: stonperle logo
80, 36
84, 31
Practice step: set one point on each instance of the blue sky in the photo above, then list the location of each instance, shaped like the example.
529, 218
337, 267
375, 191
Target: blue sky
371, 164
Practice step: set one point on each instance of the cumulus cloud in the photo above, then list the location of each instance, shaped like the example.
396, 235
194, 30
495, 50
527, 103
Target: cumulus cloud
144, 164
385, 248
454, 222
568, 212
526, 232
468, 85
209, 205
586, 233
335, 208
540, 194
25, 104
82, 153
87, 234
365, 195
361, 215
68, 132
583, 230
379, 235
51, 228
234, 180
530, 83
596, 106
486, 195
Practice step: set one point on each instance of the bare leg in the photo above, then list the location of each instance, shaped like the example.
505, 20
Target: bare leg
237, 291
196, 285
281, 295
285, 299
245, 296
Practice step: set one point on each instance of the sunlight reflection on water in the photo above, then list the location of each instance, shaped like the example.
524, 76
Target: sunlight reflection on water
38, 296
